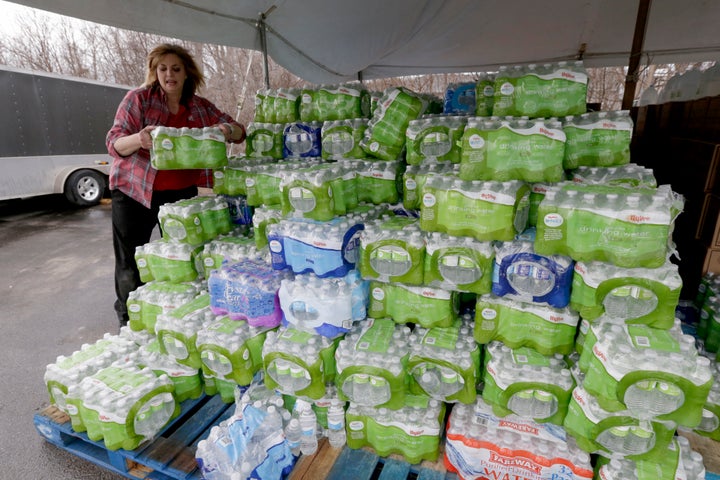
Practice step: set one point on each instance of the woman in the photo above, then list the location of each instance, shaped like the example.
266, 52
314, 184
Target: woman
137, 189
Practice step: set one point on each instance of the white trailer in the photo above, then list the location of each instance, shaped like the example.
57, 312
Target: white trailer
52, 135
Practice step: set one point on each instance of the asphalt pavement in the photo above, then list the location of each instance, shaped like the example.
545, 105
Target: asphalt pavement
56, 293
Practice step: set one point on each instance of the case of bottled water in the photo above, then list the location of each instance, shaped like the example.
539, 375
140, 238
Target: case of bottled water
626, 227
231, 350
155, 298
484, 210
597, 139
334, 102
414, 179
629, 175
482, 445
484, 94
524, 382
444, 363
325, 306
196, 220
166, 261
512, 149
180, 148
460, 264
122, 405
637, 295
549, 90
247, 290
434, 138
302, 140
299, 363
231, 248
262, 217
517, 324
678, 461
385, 135
187, 381
264, 140
392, 249
262, 182
230, 180
316, 193
341, 139
425, 306
537, 194
710, 423
650, 372
460, 99
413, 430
372, 364
376, 182
68, 371
523, 275
615, 434
177, 331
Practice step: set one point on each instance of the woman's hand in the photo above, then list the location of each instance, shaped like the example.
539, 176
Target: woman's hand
227, 129
145, 137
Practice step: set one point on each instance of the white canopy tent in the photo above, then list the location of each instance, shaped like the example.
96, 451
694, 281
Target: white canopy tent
332, 41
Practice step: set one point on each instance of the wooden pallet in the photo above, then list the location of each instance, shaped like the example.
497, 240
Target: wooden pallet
170, 455
331, 463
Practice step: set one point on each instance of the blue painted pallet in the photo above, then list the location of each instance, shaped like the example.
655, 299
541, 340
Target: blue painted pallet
169, 456
347, 464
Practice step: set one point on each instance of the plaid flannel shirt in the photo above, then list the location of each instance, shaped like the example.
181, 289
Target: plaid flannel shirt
133, 175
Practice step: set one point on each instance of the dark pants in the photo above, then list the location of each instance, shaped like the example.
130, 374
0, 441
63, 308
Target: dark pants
132, 226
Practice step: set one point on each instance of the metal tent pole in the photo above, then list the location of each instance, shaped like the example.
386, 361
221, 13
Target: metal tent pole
631, 79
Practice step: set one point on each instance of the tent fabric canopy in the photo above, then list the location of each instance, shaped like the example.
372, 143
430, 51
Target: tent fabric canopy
332, 41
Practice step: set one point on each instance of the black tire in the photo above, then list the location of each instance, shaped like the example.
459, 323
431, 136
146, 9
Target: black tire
85, 188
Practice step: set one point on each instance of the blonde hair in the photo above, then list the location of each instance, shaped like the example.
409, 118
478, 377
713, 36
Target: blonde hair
194, 78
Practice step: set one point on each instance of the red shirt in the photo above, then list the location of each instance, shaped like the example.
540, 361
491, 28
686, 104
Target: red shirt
133, 175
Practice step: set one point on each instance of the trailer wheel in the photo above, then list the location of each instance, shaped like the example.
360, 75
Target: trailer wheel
85, 188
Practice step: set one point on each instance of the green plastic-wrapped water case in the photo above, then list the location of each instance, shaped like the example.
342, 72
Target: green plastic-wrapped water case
177, 331
637, 295
434, 137
630, 175
627, 227
598, 139
597, 430
262, 182
425, 306
334, 102
196, 220
299, 363
167, 261
550, 90
230, 180
123, 405
187, 148
484, 210
341, 139
484, 95
187, 381
444, 363
230, 248
315, 193
519, 324
461, 264
392, 249
264, 140
414, 179
263, 217
372, 364
653, 373
155, 298
512, 149
385, 135
377, 182
231, 350
710, 424
524, 382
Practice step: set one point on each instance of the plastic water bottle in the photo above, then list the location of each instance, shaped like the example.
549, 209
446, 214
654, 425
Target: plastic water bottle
294, 434
336, 424
308, 424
